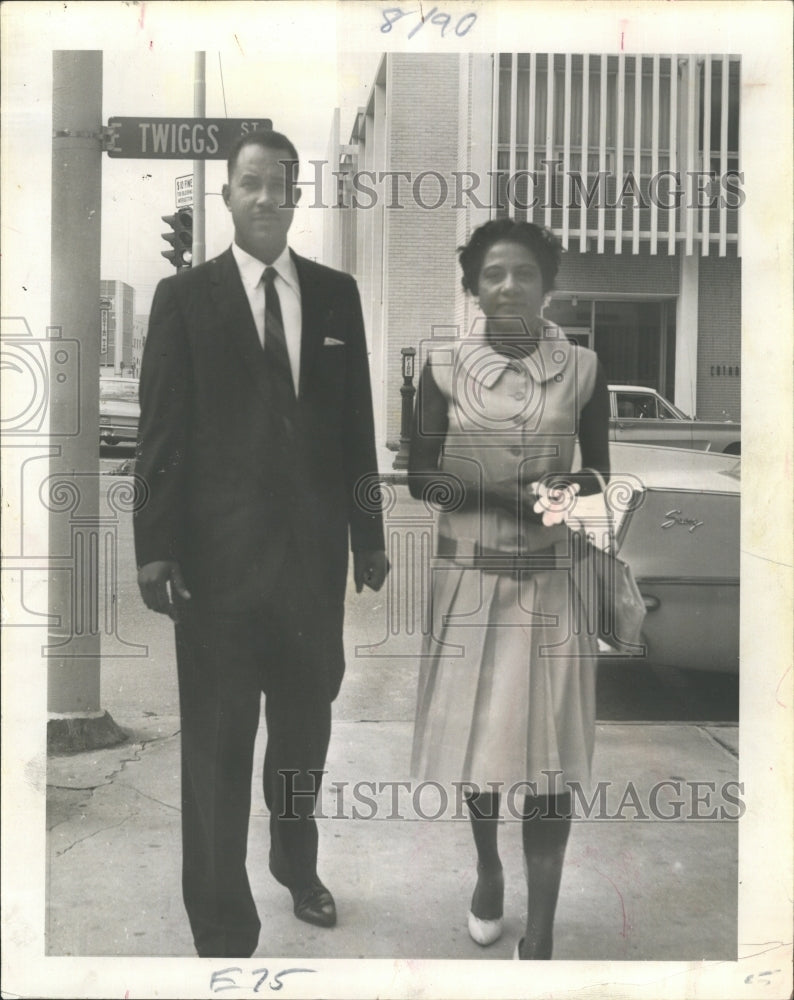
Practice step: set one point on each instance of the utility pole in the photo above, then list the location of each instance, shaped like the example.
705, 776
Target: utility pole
199, 111
75, 718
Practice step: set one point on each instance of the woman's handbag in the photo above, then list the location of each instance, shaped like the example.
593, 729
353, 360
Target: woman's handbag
614, 606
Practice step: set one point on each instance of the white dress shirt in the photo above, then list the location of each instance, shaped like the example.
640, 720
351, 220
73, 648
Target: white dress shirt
252, 273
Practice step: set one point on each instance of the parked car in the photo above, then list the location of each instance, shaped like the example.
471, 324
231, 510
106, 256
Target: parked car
119, 410
678, 528
642, 415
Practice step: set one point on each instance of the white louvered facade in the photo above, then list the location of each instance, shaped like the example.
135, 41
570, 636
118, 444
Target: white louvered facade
638, 133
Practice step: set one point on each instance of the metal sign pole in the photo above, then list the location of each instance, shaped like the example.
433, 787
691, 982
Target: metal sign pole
199, 110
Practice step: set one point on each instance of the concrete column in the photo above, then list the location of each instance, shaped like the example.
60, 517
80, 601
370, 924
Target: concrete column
481, 155
475, 155
686, 334
332, 238
380, 291
76, 720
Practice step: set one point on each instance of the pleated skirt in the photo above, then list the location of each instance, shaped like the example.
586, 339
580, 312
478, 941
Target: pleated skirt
507, 681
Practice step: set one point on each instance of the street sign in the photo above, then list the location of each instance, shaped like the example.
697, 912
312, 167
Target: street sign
178, 138
183, 194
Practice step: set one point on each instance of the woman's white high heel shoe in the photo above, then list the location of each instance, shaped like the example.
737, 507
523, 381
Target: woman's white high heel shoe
485, 932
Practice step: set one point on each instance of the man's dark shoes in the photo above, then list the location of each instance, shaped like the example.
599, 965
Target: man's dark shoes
315, 905
312, 903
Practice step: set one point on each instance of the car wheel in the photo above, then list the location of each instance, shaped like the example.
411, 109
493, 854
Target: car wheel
733, 449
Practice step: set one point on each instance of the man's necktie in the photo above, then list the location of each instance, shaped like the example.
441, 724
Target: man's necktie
276, 355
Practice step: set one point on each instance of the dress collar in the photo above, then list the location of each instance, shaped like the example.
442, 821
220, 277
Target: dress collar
551, 356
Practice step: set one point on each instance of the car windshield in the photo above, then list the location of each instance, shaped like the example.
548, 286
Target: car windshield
665, 405
120, 389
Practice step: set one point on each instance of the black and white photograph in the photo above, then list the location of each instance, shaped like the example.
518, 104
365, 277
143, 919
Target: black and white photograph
397, 529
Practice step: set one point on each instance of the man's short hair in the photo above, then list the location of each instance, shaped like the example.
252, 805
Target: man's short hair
268, 139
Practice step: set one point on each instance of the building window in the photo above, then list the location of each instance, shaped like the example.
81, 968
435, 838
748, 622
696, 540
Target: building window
634, 339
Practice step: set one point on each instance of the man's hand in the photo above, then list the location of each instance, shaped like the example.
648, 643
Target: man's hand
370, 567
158, 582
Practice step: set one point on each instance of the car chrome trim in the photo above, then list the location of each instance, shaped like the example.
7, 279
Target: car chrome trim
684, 489
693, 581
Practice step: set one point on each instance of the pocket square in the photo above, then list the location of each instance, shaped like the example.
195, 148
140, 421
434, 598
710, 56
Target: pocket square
333, 342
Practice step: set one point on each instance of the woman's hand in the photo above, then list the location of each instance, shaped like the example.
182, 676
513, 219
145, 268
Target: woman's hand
555, 502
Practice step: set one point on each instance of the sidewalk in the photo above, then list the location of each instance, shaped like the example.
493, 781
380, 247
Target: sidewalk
650, 889
631, 889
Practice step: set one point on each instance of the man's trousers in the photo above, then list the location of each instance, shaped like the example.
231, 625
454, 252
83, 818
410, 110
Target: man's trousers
290, 649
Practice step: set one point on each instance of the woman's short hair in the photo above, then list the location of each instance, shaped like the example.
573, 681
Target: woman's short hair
541, 243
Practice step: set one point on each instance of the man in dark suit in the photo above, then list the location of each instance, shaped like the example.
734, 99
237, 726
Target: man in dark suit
256, 433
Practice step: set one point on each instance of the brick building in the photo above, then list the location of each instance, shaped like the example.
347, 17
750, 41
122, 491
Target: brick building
646, 207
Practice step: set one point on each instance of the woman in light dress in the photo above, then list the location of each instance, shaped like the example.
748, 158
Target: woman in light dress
506, 699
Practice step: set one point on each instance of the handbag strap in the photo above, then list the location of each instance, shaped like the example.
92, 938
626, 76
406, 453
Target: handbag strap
610, 516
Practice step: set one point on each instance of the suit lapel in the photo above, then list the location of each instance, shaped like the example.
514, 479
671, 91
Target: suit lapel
313, 307
235, 316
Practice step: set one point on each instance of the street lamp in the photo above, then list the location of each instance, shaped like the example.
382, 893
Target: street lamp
407, 391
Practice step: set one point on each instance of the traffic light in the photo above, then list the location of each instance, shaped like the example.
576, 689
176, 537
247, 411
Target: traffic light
181, 238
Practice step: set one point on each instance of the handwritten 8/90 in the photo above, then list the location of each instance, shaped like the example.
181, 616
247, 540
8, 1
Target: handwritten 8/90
393, 14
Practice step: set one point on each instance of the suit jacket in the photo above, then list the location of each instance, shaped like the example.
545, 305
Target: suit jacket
233, 483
